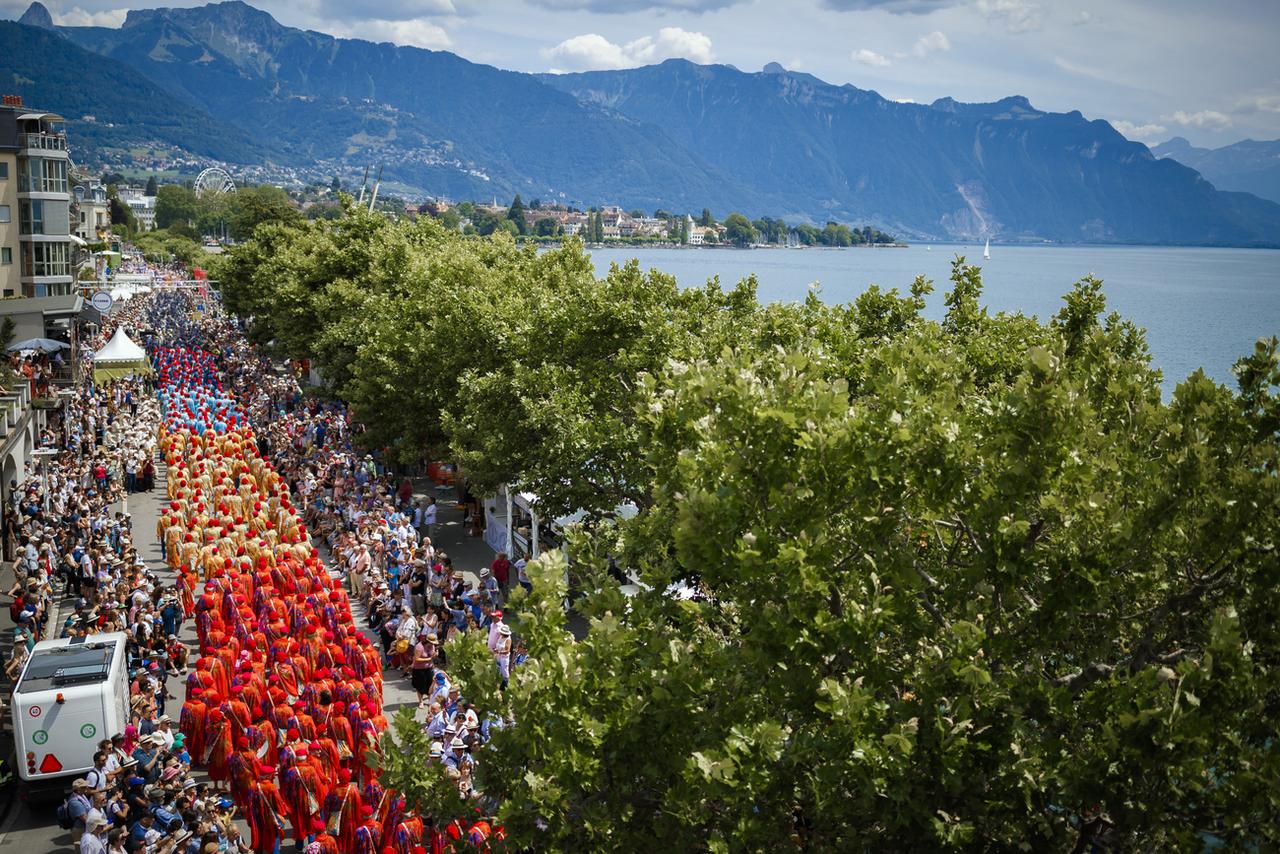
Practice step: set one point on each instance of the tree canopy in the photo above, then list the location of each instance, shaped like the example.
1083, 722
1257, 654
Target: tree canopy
902, 584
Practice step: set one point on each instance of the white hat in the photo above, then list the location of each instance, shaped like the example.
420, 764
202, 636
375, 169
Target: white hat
504, 629
484, 573
458, 744
436, 748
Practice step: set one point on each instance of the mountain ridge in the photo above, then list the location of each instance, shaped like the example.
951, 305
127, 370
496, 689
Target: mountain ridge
675, 135
141, 112
945, 169
1250, 165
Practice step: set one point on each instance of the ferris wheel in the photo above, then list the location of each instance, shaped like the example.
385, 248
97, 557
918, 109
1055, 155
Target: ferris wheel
214, 181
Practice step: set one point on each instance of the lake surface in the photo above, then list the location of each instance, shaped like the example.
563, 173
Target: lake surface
1200, 307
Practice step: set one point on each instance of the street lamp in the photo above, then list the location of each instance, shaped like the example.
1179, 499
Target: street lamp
43, 455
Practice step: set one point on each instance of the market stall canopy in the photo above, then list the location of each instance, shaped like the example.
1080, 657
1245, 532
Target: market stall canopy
41, 345
119, 358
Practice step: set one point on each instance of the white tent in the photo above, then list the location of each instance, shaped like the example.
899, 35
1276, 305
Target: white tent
119, 358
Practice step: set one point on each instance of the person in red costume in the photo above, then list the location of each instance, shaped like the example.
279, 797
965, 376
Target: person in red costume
408, 834
321, 841
242, 769
368, 835
342, 810
191, 723
266, 813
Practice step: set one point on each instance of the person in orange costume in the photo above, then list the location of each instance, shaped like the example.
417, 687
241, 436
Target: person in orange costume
266, 813
262, 737
221, 677
240, 717
191, 722
298, 785
325, 751
218, 747
305, 723
340, 730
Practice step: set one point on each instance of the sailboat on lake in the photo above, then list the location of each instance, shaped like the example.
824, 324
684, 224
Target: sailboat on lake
986, 253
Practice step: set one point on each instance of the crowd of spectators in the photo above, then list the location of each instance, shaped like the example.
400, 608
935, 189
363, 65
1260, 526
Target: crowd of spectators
74, 546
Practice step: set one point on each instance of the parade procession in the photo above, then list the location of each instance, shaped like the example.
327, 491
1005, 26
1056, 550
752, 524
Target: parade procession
273, 742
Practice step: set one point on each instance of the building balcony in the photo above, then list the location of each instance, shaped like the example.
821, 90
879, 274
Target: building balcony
43, 141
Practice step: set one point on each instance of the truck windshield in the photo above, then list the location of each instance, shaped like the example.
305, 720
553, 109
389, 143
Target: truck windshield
67, 665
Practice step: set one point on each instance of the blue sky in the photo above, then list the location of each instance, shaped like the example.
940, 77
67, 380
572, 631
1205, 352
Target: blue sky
1154, 68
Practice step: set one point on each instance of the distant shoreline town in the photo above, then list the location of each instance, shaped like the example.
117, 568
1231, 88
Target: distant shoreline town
613, 224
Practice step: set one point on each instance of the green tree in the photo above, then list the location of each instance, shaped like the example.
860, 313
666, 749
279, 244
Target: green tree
335, 186
934, 606
249, 207
706, 219
738, 230
121, 213
684, 231
546, 227
515, 214
176, 204
905, 584
151, 186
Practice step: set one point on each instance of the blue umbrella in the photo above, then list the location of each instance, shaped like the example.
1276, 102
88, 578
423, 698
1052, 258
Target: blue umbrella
44, 345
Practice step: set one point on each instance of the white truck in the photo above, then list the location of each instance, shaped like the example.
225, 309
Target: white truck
73, 693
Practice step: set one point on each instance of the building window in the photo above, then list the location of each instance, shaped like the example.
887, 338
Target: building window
6, 255
31, 220
4, 171
43, 175
46, 259
6, 214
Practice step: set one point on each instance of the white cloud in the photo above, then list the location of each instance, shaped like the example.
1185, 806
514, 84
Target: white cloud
416, 33
870, 57
1258, 104
1080, 70
593, 52
1210, 119
1082, 18
1142, 133
627, 6
355, 11
934, 42
1018, 16
896, 7
77, 17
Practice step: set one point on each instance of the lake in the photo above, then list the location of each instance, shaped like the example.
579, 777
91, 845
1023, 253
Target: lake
1200, 307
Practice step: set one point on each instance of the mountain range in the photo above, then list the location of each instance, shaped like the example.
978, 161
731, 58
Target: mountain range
676, 135
1249, 166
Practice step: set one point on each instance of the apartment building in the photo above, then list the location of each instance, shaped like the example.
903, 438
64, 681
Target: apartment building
142, 205
37, 251
93, 209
